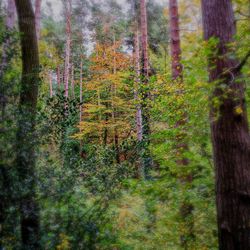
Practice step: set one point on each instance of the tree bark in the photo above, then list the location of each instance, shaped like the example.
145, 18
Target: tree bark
26, 138
81, 65
137, 81
38, 17
229, 127
72, 81
147, 161
68, 10
175, 43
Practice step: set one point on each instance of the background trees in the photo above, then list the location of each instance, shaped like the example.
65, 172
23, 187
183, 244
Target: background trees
91, 153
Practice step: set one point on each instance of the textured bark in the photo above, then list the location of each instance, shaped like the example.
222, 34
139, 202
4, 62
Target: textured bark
147, 161
68, 10
25, 144
175, 43
229, 127
38, 17
72, 82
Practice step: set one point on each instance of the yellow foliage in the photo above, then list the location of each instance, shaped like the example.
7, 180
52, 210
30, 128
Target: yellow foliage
64, 244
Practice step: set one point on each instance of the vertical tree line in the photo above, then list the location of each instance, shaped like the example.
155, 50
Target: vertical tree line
26, 135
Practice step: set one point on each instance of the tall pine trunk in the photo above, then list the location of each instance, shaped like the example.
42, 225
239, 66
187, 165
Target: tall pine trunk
229, 127
146, 159
26, 138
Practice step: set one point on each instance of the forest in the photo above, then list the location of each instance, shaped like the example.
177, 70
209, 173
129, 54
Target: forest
124, 125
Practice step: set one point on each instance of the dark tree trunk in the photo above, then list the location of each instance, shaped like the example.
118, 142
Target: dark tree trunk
175, 40
146, 159
186, 209
25, 145
229, 126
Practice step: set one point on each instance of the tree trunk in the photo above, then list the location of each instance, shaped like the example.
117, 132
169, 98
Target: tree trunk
58, 76
81, 65
229, 127
25, 144
38, 17
50, 84
68, 10
186, 208
137, 80
147, 161
175, 43
72, 82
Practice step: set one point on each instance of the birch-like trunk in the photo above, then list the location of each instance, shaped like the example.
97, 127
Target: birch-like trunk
68, 10
81, 82
50, 84
72, 82
137, 81
58, 76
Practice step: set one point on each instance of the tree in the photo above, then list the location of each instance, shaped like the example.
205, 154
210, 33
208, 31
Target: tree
25, 141
186, 208
229, 127
147, 161
38, 17
175, 43
68, 12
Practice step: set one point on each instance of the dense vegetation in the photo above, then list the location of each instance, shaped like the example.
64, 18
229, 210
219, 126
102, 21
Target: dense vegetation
122, 125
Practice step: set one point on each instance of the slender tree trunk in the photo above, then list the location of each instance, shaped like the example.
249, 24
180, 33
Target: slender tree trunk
50, 84
144, 39
186, 209
68, 13
38, 17
147, 161
229, 127
175, 43
58, 76
72, 82
137, 80
26, 138
81, 80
